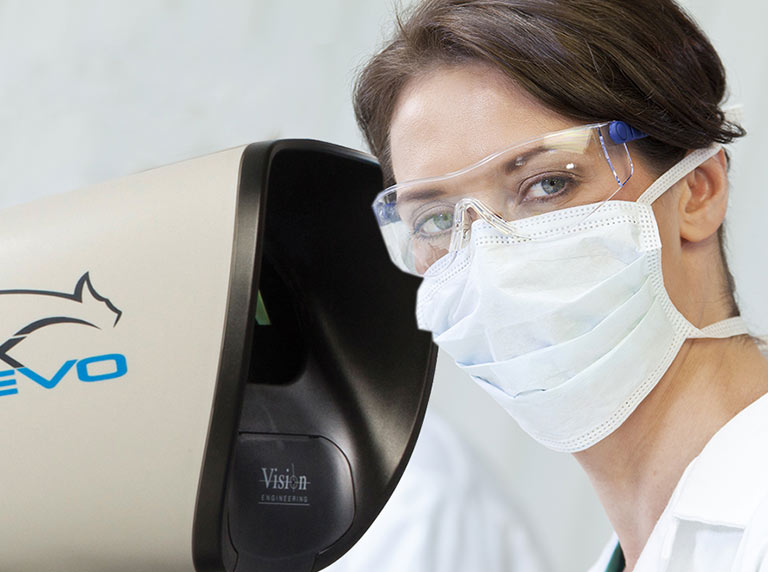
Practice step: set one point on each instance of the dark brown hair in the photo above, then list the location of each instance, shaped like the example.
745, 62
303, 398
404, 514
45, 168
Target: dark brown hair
641, 61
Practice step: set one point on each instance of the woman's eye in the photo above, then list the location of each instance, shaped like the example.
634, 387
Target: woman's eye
434, 224
547, 186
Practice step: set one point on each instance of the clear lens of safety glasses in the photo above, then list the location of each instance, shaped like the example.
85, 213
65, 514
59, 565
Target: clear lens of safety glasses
424, 219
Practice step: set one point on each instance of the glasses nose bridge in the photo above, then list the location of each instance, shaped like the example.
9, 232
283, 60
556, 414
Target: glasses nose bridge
465, 212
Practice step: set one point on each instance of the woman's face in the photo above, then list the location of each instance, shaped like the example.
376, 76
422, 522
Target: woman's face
452, 117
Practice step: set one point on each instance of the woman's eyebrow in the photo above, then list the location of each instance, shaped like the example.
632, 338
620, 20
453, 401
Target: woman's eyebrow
509, 166
520, 160
420, 195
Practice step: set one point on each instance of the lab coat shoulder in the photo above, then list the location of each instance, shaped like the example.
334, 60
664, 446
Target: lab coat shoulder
717, 517
724, 494
753, 550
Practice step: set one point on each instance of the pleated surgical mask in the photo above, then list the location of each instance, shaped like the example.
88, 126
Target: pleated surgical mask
567, 324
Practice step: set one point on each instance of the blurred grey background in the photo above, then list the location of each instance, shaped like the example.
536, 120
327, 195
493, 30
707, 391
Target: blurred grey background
92, 90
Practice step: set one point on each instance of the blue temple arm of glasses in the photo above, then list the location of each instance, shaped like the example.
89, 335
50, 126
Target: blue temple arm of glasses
621, 132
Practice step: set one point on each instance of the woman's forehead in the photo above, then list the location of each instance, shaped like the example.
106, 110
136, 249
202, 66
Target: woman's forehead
452, 117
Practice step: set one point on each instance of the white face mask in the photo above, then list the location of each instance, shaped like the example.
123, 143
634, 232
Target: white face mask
569, 333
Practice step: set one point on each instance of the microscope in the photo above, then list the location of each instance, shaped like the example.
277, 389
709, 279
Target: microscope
207, 366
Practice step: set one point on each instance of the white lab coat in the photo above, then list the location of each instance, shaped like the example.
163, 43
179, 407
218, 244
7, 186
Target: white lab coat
717, 517
446, 515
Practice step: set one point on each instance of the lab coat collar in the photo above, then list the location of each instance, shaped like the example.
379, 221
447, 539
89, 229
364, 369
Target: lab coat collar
725, 483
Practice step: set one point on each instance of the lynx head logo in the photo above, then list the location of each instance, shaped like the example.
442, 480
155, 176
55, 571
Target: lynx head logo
24, 312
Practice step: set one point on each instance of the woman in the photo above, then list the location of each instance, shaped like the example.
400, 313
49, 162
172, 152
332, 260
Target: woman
560, 184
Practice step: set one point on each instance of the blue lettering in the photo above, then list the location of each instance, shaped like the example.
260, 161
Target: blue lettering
121, 367
48, 383
7, 383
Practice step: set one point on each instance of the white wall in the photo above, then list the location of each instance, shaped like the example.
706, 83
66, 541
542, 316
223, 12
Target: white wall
91, 90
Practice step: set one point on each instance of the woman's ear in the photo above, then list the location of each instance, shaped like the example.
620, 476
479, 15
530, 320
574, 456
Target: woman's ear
704, 199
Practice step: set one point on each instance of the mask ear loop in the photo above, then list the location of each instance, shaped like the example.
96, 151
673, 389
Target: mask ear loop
725, 329
688, 163
732, 326
677, 172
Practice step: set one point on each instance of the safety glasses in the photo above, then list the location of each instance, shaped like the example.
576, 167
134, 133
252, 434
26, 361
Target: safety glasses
424, 219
